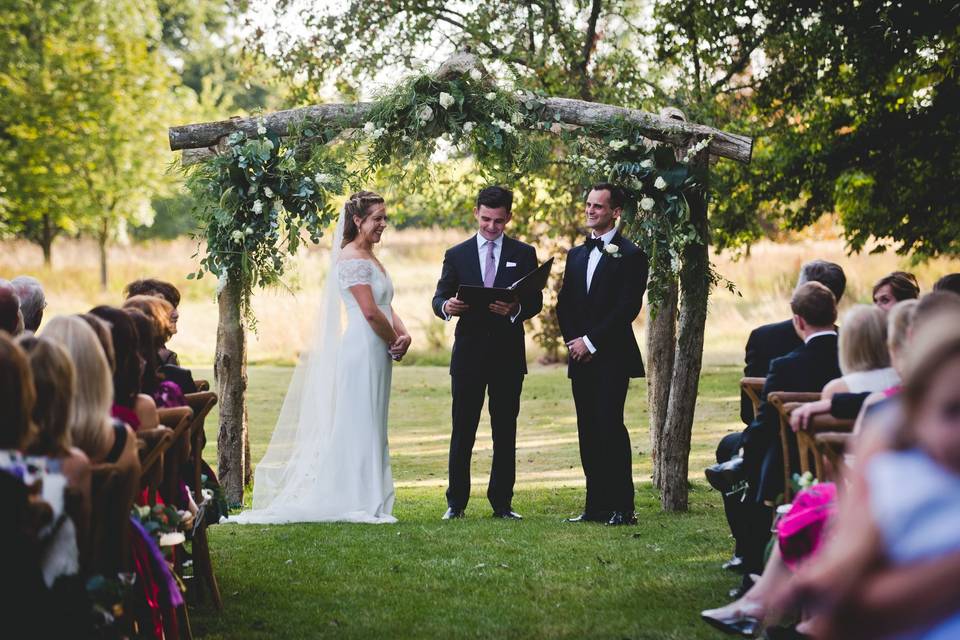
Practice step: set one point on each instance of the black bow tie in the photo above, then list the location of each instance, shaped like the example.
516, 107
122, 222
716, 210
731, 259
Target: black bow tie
594, 243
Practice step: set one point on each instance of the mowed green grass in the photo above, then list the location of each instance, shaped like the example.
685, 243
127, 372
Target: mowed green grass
480, 577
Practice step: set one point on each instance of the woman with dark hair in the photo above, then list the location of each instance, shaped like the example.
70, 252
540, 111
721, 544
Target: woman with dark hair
165, 393
162, 313
894, 288
136, 409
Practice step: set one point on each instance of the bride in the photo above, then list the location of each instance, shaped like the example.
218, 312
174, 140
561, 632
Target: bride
328, 459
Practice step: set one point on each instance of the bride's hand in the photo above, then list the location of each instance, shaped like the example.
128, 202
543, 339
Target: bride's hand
399, 348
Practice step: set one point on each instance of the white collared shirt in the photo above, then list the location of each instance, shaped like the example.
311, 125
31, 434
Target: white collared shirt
482, 250
818, 334
592, 261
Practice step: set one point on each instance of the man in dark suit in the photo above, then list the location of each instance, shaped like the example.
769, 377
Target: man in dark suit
489, 356
809, 367
766, 343
601, 295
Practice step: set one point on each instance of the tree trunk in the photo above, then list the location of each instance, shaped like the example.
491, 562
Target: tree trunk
674, 450
46, 240
230, 371
661, 346
102, 240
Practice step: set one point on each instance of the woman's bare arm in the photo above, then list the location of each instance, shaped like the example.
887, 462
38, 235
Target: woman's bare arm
372, 313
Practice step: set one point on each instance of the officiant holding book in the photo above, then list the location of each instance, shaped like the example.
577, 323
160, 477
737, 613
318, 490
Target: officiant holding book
489, 355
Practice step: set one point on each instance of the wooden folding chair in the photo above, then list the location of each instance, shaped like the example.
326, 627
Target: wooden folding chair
178, 420
753, 387
779, 400
201, 403
152, 444
811, 454
108, 542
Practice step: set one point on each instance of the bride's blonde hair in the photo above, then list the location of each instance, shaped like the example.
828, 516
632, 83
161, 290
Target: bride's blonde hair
358, 206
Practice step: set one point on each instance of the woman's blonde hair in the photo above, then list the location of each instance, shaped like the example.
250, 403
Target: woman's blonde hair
159, 311
899, 319
863, 339
934, 346
55, 381
90, 410
17, 396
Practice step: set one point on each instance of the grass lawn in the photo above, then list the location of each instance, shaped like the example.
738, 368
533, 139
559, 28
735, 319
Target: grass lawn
480, 578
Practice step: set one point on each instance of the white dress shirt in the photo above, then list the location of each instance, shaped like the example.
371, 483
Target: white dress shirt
482, 253
818, 334
592, 261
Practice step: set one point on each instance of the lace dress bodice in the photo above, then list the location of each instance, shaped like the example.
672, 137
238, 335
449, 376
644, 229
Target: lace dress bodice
354, 271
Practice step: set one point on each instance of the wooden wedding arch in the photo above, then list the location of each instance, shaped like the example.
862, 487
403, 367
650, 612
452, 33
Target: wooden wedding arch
675, 333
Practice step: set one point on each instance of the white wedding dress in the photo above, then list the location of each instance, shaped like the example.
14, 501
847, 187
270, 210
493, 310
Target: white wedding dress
328, 459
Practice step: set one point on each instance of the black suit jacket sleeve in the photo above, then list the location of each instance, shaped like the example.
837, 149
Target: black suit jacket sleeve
532, 304
563, 297
447, 285
846, 406
628, 302
750, 371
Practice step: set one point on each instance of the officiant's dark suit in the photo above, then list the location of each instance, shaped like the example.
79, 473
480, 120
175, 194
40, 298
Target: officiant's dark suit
602, 310
488, 360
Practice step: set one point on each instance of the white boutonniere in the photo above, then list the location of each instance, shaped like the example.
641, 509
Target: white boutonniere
612, 250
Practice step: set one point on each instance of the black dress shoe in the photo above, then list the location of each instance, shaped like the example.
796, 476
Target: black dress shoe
735, 625
590, 517
453, 514
507, 514
734, 564
725, 476
621, 518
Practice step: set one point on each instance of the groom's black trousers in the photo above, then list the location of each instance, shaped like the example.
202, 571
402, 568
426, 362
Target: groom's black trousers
604, 441
469, 390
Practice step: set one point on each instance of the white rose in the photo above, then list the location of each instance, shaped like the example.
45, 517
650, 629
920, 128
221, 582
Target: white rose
261, 129
647, 204
369, 127
646, 164
257, 206
475, 75
378, 133
446, 100
248, 231
468, 126
268, 143
516, 118
252, 190
616, 145
425, 114
611, 248
322, 178
660, 183
237, 236
267, 191
491, 96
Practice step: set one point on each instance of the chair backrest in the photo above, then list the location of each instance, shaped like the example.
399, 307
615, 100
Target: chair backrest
108, 542
753, 387
779, 400
178, 420
201, 403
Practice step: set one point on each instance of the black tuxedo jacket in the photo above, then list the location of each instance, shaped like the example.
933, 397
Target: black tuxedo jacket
483, 338
605, 315
809, 367
765, 343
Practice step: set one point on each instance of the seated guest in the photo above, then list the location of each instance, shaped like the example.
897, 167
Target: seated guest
11, 320
893, 288
949, 282
864, 356
54, 379
882, 574
162, 314
165, 393
780, 338
898, 323
32, 301
165, 291
91, 427
766, 343
17, 396
135, 408
807, 368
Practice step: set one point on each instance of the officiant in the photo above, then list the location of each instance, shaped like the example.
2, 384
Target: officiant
489, 356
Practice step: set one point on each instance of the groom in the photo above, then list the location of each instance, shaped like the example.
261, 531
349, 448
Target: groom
489, 358
600, 296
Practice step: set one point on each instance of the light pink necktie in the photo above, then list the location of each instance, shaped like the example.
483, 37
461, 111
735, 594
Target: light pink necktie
490, 270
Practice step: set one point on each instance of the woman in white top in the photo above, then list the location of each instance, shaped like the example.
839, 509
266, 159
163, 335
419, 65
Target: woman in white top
864, 358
